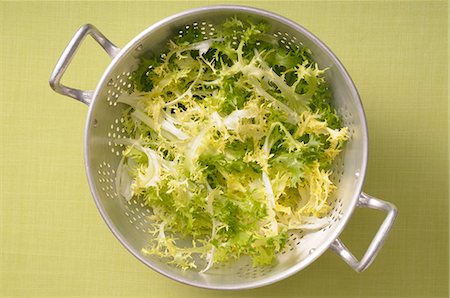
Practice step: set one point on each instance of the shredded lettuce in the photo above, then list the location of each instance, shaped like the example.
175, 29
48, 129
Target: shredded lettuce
231, 139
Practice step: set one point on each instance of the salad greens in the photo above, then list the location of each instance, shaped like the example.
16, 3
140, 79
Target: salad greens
231, 141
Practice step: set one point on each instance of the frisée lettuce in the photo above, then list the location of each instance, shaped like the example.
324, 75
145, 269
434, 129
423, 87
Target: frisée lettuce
231, 139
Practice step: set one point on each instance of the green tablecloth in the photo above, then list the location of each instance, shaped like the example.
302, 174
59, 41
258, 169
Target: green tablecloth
53, 240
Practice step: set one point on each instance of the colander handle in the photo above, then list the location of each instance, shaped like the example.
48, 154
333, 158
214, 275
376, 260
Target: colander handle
370, 202
85, 96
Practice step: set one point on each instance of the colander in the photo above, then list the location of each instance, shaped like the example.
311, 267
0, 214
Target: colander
129, 222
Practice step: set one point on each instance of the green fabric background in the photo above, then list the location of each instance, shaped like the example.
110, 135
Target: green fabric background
53, 241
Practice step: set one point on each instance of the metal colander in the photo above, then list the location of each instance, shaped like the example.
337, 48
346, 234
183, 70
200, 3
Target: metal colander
130, 221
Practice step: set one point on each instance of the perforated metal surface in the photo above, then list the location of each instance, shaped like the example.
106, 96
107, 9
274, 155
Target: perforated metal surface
129, 221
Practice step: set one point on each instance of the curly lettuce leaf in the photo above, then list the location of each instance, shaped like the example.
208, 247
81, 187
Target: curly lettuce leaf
231, 141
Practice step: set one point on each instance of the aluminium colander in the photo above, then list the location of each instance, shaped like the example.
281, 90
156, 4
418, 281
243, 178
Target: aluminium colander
130, 221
